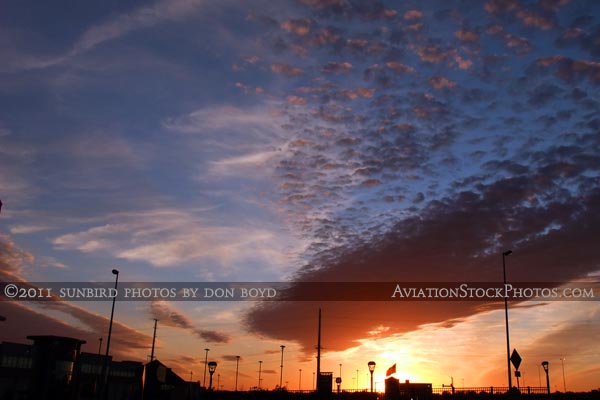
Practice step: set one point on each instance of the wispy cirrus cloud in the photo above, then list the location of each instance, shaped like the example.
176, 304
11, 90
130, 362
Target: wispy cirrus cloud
262, 121
173, 238
113, 28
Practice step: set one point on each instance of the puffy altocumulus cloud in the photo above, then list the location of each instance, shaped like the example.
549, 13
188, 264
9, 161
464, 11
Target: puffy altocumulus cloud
286, 69
428, 170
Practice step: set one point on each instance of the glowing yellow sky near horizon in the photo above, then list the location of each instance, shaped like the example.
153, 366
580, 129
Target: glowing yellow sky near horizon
472, 352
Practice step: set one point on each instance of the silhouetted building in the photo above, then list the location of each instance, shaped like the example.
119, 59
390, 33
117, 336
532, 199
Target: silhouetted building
90, 376
15, 370
54, 370
161, 383
395, 390
125, 378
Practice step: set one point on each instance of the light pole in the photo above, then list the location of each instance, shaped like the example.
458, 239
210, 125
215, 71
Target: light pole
212, 366
562, 360
356, 379
504, 255
545, 365
218, 381
281, 369
340, 376
371, 365
112, 313
205, 364
300, 379
259, 372
237, 368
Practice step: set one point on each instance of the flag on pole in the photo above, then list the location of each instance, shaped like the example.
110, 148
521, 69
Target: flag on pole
391, 370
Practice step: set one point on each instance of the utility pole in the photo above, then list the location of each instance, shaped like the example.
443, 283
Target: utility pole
237, 368
153, 341
281, 370
259, 372
319, 351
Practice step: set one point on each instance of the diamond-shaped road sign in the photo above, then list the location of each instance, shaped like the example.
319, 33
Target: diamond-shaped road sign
515, 358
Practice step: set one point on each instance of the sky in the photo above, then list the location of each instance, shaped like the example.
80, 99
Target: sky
306, 140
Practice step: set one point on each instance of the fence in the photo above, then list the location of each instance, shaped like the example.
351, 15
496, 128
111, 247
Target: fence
449, 390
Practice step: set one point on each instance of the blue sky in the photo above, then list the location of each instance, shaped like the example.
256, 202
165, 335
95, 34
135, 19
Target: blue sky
315, 139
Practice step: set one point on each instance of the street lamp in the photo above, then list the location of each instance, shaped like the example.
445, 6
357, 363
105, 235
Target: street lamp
545, 366
112, 313
371, 365
205, 364
281, 370
212, 366
504, 255
300, 379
